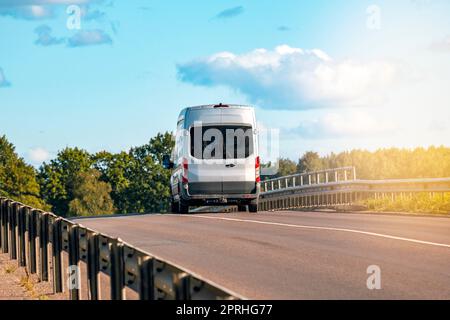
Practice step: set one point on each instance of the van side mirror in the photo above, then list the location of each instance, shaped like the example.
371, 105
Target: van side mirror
167, 164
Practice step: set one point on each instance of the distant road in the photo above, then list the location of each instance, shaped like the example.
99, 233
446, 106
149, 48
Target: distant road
296, 255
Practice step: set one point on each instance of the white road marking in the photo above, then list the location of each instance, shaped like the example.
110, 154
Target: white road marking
324, 228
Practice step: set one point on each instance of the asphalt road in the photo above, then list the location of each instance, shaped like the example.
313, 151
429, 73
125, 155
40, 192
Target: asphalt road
297, 255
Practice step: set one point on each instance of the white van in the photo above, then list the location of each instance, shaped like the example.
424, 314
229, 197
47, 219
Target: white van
215, 160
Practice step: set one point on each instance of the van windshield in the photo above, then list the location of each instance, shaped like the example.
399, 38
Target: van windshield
221, 142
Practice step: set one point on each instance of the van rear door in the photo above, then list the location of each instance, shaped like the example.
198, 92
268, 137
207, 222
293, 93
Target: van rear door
226, 166
222, 150
239, 175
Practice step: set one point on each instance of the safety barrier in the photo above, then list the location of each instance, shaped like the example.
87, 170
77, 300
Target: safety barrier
339, 187
38, 241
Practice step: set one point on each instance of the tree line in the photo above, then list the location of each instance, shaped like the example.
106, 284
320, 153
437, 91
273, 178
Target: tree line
392, 163
79, 183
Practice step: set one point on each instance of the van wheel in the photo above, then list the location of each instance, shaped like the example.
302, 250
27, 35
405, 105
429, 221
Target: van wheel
183, 208
173, 206
242, 208
253, 206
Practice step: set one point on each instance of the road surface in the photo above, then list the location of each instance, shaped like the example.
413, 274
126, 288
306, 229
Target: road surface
299, 255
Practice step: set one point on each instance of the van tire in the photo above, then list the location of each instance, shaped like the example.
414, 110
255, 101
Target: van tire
173, 206
253, 206
183, 208
242, 208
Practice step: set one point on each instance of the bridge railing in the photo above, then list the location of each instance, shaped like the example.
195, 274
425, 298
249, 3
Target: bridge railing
40, 240
340, 187
309, 179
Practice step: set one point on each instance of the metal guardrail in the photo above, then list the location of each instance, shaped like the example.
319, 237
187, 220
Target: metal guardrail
339, 187
38, 240
309, 179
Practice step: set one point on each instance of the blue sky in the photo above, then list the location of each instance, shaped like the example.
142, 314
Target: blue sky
330, 75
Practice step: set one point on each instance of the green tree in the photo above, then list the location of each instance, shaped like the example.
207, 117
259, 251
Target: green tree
17, 179
138, 180
149, 188
91, 196
57, 177
116, 169
286, 167
310, 161
160, 145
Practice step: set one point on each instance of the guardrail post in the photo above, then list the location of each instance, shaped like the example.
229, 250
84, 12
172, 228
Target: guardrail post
181, 286
43, 246
21, 227
147, 287
116, 270
56, 249
12, 231
354, 173
31, 229
4, 225
73, 260
93, 266
1, 224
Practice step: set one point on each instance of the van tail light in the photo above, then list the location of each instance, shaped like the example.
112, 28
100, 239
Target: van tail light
184, 175
257, 170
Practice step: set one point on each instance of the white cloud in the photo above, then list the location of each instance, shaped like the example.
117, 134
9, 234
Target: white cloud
35, 9
345, 124
442, 45
89, 38
295, 78
39, 2
38, 155
28, 12
45, 37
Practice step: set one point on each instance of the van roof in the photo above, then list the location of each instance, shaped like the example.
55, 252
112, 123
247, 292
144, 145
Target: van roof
238, 111
224, 105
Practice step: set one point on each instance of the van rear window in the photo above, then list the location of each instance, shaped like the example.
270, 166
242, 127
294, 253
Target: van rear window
221, 142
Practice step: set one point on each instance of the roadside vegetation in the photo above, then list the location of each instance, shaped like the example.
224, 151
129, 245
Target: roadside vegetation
18, 179
77, 183
433, 162
393, 163
437, 203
